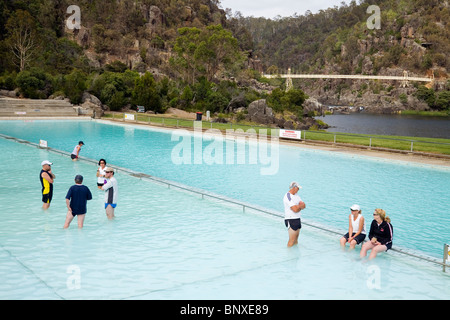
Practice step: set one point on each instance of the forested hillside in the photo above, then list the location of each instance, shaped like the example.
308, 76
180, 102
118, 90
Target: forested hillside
192, 54
414, 36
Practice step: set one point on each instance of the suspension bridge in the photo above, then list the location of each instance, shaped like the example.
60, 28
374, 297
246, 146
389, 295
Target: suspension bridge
404, 79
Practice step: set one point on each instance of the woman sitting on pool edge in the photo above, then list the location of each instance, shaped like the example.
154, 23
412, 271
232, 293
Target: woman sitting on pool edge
380, 235
356, 228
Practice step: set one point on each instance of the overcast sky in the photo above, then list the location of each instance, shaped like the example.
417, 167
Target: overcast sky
284, 8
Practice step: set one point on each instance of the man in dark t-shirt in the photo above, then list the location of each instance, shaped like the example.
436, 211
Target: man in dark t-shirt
76, 200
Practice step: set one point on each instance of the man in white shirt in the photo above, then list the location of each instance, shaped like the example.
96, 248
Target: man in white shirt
293, 204
111, 189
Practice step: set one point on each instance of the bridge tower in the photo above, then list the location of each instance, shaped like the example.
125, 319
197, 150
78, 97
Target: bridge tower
289, 84
405, 79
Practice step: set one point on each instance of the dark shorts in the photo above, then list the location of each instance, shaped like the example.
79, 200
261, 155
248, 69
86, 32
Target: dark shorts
77, 214
294, 224
388, 246
73, 156
100, 184
360, 238
47, 198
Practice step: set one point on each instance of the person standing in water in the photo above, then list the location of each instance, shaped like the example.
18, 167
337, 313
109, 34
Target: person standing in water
46, 177
293, 204
76, 151
101, 175
76, 201
111, 189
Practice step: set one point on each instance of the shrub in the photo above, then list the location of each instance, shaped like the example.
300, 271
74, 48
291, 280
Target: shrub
75, 85
34, 84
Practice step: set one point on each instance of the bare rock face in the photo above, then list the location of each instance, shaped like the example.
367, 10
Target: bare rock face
155, 17
259, 112
311, 105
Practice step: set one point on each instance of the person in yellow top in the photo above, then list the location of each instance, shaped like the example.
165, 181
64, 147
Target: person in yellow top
47, 177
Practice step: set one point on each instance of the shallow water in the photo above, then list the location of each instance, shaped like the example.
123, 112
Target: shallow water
415, 196
168, 244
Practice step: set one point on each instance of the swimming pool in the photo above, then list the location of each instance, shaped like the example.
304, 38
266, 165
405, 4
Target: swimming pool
414, 196
167, 244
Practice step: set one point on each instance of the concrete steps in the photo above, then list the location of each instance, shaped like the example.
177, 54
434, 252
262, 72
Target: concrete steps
10, 107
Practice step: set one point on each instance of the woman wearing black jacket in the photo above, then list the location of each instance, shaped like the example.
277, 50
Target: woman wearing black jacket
380, 235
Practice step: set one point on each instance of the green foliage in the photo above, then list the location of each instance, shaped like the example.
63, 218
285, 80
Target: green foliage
292, 101
116, 66
75, 85
145, 93
34, 84
186, 97
203, 52
8, 81
443, 100
403, 98
427, 95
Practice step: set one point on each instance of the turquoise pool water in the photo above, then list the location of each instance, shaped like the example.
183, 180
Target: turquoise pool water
416, 197
168, 244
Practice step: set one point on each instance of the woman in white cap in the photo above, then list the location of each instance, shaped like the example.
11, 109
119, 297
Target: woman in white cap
293, 204
356, 228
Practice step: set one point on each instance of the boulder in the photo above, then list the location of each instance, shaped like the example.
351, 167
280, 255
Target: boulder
236, 104
91, 102
259, 112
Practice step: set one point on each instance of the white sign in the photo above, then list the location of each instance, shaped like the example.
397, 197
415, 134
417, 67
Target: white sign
20, 112
290, 134
129, 116
43, 143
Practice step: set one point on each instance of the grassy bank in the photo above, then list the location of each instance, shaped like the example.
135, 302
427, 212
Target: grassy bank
426, 113
416, 144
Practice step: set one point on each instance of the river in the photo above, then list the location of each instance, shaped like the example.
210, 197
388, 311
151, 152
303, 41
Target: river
389, 124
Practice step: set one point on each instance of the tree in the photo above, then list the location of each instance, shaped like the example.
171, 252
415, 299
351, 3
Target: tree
185, 46
22, 37
203, 52
34, 84
145, 93
427, 95
217, 49
75, 85
443, 100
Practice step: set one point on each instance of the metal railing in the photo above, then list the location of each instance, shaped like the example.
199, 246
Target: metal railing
369, 139
245, 206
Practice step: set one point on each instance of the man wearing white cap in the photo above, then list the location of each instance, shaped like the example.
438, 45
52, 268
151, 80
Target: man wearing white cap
46, 177
293, 204
111, 189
